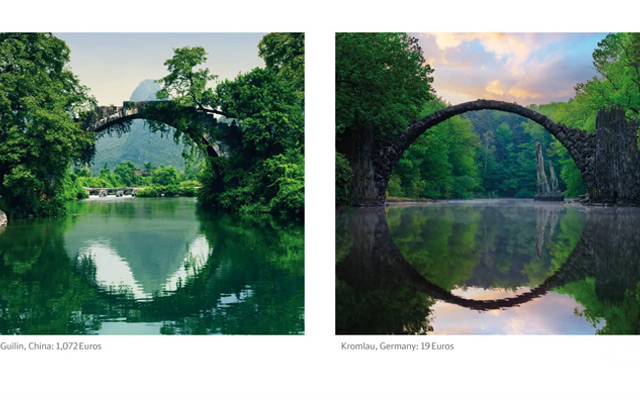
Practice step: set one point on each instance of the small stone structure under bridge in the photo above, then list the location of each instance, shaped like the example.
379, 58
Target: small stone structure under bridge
118, 192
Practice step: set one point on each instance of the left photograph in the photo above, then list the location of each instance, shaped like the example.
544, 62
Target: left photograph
152, 183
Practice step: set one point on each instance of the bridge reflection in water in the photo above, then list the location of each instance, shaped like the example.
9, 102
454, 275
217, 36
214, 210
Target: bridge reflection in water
498, 266
150, 266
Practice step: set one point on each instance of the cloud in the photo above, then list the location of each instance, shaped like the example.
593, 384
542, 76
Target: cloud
523, 94
524, 67
514, 48
552, 313
497, 90
494, 87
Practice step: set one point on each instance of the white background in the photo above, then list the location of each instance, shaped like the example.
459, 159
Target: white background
313, 366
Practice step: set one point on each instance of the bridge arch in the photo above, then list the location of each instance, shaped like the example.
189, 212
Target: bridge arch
388, 151
201, 125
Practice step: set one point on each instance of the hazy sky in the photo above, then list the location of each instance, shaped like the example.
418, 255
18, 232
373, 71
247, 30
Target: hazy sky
113, 64
527, 68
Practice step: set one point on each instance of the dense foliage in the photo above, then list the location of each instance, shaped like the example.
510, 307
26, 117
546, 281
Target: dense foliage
39, 136
382, 81
617, 62
284, 53
155, 180
344, 175
262, 169
441, 163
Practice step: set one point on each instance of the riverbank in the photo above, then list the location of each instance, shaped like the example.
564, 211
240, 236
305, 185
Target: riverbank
402, 200
407, 201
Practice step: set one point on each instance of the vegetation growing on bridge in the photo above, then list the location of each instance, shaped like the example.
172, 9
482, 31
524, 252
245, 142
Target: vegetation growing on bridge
263, 170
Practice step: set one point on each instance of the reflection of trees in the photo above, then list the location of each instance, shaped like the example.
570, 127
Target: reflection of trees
610, 293
480, 244
131, 208
252, 282
441, 246
40, 290
599, 269
370, 297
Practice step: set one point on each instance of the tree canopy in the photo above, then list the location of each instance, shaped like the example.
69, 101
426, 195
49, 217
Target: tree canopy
263, 167
40, 102
617, 62
284, 53
441, 163
382, 81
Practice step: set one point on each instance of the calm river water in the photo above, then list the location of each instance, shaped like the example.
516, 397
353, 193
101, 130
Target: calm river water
488, 267
150, 266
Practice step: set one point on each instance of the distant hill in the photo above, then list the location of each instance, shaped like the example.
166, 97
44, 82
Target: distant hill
140, 144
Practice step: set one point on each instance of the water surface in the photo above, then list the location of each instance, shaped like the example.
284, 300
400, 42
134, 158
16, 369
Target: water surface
488, 267
151, 266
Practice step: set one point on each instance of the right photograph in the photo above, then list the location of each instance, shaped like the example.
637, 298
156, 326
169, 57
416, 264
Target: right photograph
487, 183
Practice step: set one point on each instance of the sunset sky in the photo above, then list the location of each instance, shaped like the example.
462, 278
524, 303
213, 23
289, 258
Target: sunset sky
113, 64
527, 68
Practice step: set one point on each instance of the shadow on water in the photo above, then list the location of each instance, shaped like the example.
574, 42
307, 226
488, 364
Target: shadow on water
151, 267
397, 267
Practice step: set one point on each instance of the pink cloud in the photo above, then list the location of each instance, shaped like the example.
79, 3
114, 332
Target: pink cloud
522, 67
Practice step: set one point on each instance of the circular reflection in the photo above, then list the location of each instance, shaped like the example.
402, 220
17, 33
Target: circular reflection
149, 266
517, 251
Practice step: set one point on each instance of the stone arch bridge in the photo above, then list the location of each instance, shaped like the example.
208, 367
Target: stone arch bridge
202, 123
608, 159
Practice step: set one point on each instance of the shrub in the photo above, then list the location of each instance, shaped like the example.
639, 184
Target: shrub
151, 191
344, 175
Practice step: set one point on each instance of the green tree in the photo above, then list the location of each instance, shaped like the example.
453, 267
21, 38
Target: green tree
165, 176
284, 53
617, 61
40, 100
344, 175
149, 167
382, 82
108, 178
184, 85
440, 163
126, 172
506, 157
262, 169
